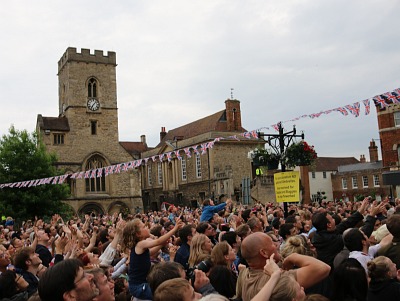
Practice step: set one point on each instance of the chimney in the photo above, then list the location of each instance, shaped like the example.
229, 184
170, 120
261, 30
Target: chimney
233, 115
373, 152
362, 158
163, 133
143, 139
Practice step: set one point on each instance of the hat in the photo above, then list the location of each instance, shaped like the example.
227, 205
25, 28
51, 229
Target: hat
9, 223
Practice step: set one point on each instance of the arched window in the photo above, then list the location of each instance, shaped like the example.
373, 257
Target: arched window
92, 88
96, 184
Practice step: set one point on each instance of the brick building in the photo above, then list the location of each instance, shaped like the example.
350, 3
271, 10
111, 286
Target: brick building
360, 179
191, 179
320, 177
389, 134
85, 134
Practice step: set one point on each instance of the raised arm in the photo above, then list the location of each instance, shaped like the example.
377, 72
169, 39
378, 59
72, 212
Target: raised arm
92, 241
150, 243
310, 270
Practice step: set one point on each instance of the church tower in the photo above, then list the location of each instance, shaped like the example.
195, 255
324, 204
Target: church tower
87, 88
85, 134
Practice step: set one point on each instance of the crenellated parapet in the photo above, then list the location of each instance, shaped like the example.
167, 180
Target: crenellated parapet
86, 57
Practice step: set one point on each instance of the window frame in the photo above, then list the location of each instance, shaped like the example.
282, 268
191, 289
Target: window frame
58, 139
344, 183
96, 184
183, 169
396, 117
159, 173
93, 127
354, 182
198, 166
365, 183
377, 182
149, 172
92, 88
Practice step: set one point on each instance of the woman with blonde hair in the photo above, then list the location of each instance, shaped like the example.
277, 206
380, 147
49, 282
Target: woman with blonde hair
200, 249
383, 284
297, 244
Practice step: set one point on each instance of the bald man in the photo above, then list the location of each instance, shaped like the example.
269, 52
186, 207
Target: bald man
257, 248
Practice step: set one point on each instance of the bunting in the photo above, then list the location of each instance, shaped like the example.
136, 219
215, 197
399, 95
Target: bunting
367, 106
187, 152
354, 109
382, 100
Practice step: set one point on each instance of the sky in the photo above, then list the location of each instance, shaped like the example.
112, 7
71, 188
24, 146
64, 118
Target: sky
178, 61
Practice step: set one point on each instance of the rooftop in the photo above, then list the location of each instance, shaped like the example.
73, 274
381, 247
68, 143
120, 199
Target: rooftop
333, 163
214, 122
361, 166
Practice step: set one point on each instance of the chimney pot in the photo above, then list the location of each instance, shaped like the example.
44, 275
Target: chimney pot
163, 133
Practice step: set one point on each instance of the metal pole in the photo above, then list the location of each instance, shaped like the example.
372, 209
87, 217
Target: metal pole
283, 166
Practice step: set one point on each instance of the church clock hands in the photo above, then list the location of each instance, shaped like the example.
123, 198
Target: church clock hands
93, 104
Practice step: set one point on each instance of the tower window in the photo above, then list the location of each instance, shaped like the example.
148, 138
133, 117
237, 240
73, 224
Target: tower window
96, 184
93, 127
92, 88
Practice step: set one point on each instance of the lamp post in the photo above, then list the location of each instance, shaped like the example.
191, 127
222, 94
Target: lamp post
279, 142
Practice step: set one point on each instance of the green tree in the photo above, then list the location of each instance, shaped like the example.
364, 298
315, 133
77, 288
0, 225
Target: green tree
23, 157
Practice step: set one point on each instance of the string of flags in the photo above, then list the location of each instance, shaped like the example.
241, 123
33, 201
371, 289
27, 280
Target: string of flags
382, 100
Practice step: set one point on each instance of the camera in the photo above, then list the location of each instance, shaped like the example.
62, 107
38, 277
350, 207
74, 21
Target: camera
204, 266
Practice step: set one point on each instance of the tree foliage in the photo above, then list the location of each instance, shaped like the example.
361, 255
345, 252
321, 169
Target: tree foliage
23, 157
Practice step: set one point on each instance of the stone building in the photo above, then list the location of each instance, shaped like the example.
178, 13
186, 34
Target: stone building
193, 176
85, 134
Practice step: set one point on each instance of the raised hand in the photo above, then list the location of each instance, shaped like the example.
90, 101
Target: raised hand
271, 266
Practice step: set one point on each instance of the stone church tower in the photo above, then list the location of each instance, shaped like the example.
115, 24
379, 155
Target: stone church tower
85, 134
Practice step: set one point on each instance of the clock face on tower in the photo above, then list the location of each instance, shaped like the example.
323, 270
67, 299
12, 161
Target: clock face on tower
93, 104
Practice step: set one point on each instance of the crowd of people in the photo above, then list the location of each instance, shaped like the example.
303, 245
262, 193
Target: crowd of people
331, 251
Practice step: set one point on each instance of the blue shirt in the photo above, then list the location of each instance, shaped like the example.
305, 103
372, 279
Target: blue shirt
208, 211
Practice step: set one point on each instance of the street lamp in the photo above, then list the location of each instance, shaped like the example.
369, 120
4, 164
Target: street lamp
279, 142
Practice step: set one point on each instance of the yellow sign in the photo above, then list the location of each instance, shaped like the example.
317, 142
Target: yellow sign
287, 186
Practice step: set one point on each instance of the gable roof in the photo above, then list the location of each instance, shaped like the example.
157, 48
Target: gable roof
53, 123
134, 148
214, 122
333, 163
